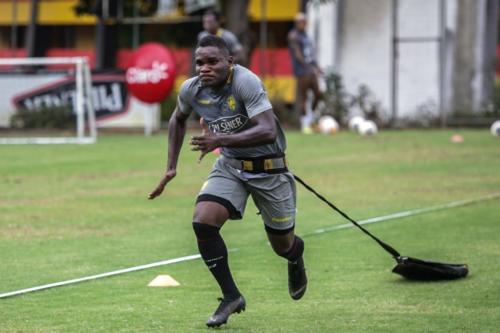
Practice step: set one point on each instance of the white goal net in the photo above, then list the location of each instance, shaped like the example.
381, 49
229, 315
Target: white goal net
46, 101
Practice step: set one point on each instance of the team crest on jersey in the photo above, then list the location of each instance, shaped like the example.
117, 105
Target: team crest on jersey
231, 103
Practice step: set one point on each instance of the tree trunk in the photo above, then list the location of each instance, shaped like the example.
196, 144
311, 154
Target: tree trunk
31, 31
106, 45
489, 45
464, 54
106, 40
236, 13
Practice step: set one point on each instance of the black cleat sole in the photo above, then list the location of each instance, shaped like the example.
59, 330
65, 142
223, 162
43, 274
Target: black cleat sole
220, 324
216, 320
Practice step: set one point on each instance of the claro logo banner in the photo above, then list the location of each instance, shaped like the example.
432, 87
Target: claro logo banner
151, 75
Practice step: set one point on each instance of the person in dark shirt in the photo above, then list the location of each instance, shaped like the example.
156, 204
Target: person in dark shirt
211, 26
305, 69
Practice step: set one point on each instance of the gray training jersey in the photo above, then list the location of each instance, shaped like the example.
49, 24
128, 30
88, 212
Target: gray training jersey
229, 109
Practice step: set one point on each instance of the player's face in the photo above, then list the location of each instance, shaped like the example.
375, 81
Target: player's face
212, 66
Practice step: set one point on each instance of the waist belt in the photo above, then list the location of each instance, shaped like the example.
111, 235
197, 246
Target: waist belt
265, 164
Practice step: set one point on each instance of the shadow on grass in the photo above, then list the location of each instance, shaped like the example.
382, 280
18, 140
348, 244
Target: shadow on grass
403, 281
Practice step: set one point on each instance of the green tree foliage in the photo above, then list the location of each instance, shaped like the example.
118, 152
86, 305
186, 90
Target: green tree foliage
94, 7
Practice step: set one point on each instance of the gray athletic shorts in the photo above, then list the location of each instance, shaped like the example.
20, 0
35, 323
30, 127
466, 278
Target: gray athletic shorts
273, 194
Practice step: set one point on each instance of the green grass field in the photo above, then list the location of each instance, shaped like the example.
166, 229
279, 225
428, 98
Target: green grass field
72, 211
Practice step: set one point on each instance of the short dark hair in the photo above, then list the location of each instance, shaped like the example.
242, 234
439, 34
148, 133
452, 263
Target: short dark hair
214, 13
215, 41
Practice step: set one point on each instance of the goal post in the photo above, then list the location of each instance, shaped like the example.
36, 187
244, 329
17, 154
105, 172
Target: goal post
81, 102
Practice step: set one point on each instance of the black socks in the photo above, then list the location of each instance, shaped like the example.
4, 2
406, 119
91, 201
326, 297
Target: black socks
295, 251
214, 253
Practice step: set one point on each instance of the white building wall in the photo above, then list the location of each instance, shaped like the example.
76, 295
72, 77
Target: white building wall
323, 31
365, 48
354, 36
418, 63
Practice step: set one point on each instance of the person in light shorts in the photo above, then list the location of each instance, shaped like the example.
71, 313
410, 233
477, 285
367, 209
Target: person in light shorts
273, 194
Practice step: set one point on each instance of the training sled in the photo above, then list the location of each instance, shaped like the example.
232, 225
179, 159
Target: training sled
416, 269
408, 267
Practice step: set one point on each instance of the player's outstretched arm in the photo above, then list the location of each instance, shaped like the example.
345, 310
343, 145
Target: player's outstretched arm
176, 133
263, 131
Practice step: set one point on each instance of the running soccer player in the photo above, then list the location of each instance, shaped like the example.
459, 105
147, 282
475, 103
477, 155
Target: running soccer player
236, 111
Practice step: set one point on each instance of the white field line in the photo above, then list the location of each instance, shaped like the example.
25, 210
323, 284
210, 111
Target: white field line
407, 213
398, 215
99, 276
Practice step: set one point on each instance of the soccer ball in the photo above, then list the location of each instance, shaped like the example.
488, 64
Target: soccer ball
495, 128
328, 125
354, 123
367, 128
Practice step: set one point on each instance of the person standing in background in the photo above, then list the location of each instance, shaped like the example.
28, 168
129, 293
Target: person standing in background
305, 69
211, 26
